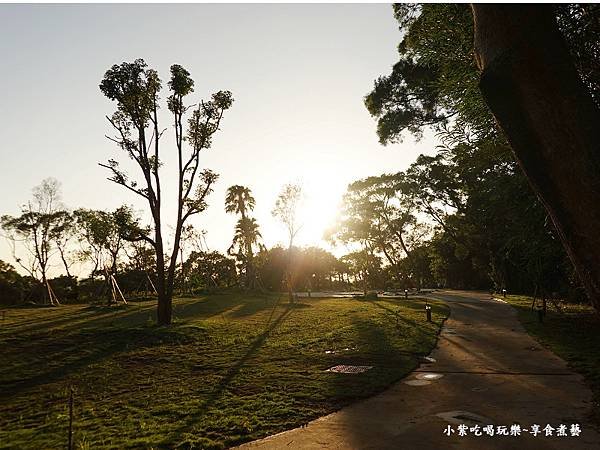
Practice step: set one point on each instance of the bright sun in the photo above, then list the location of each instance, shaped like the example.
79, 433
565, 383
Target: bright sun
318, 212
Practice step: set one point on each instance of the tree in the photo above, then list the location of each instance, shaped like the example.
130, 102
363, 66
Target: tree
103, 236
62, 236
210, 270
550, 119
316, 268
190, 238
239, 200
41, 222
247, 236
365, 266
494, 221
272, 264
379, 213
135, 88
286, 210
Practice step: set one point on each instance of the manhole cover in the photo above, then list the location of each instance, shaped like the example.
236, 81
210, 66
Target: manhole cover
429, 376
417, 382
349, 369
463, 417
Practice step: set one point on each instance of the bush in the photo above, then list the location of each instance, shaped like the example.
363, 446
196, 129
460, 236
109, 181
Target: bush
66, 288
14, 288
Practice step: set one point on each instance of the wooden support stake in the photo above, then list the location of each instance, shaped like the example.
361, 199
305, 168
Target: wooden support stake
53, 298
70, 445
151, 283
117, 288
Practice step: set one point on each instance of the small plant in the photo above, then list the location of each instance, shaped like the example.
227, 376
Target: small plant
370, 296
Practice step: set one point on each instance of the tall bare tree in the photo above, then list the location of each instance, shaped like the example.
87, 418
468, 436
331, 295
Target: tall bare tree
135, 88
286, 210
41, 222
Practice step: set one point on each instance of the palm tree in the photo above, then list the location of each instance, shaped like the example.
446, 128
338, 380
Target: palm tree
239, 200
247, 233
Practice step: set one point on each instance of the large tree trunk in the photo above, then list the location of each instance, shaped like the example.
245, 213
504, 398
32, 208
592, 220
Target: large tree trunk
165, 305
532, 87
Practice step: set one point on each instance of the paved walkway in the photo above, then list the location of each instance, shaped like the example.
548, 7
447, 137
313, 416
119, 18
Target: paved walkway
492, 373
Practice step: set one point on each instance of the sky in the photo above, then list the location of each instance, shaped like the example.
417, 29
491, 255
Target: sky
298, 74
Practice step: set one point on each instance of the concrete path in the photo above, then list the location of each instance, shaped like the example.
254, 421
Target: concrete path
492, 373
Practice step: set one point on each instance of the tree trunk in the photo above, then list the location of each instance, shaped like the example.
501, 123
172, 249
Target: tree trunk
110, 290
164, 310
45, 294
165, 306
64, 261
533, 89
290, 286
250, 275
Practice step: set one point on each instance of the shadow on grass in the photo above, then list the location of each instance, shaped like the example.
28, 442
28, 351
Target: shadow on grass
29, 324
215, 305
62, 357
60, 347
230, 375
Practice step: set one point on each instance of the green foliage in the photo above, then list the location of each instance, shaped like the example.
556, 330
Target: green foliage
66, 288
239, 200
13, 287
210, 270
311, 268
380, 214
246, 236
490, 227
580, 26
365, 266
103, 235
435, 82
135, 88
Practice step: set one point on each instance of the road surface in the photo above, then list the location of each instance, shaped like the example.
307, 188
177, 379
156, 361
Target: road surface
487, 371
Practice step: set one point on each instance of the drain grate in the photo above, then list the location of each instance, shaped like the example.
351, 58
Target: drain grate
417, 382
349, 369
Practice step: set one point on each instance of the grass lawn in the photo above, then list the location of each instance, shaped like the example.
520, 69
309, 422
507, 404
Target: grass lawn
231, 369
572, 335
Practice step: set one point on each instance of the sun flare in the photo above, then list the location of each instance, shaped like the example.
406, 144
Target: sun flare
319, 209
